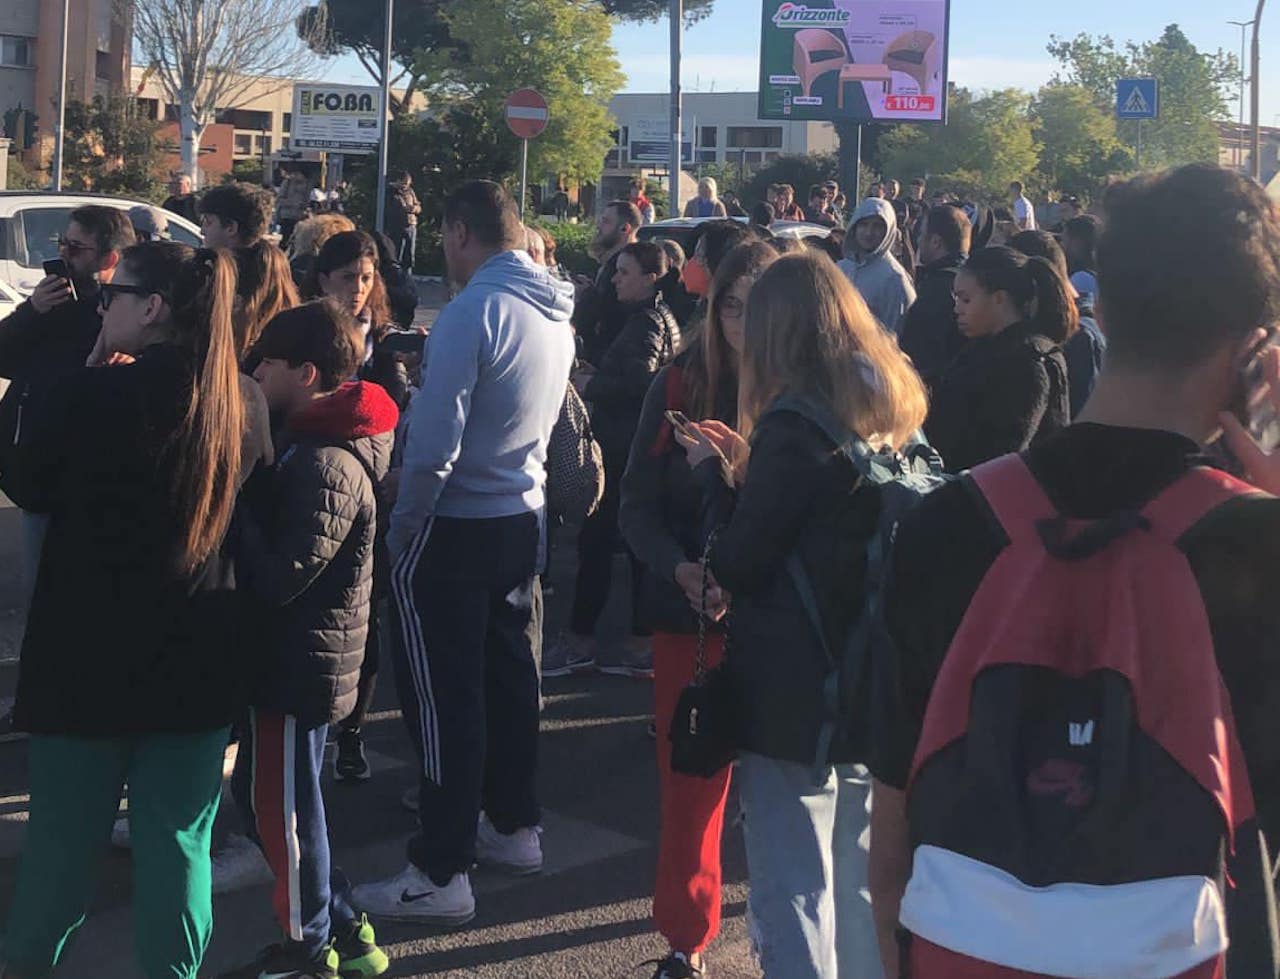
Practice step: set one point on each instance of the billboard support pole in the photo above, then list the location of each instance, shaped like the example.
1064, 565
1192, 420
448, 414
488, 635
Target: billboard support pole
857, 169
677, 30
384, 126
1137, 159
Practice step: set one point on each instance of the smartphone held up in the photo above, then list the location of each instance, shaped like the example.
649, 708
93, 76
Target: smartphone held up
58, 267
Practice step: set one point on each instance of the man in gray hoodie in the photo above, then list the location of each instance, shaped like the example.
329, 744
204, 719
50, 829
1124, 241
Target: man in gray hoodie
871, 267
464, 541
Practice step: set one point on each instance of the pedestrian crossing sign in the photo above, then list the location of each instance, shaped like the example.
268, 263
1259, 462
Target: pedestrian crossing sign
1137, 98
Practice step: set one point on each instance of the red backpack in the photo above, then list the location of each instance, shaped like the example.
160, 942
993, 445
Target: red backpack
1078, 793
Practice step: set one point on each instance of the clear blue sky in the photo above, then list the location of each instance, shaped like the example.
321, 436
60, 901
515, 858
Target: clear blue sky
994, 43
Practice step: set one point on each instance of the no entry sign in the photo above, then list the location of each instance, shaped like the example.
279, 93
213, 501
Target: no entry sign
527, 113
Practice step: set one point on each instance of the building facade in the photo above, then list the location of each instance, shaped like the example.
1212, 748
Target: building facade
718, 127
30, 51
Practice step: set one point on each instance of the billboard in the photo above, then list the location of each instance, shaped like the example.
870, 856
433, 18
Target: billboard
335, 117
854, 60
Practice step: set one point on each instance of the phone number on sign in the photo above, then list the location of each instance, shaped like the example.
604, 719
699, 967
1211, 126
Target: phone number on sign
910, 103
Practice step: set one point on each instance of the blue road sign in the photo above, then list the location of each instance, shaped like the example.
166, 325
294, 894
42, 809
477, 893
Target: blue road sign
1137, 98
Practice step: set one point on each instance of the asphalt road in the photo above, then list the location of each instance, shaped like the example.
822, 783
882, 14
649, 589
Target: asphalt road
587, 915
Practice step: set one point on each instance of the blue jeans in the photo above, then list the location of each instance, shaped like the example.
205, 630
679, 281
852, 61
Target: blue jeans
809, 907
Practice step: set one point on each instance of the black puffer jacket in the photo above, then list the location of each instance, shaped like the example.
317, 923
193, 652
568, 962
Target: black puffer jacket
307, 553
800, 493
1001, 394
648, 342
119, 640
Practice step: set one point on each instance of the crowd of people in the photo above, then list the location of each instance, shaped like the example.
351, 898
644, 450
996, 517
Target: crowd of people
947, 541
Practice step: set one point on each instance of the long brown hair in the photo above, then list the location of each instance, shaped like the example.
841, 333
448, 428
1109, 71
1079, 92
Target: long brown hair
265, 287
712, 365
809, 332
341, 250
200, 287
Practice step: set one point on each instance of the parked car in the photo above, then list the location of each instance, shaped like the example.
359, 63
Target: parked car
8, 300
32, 220
684, 231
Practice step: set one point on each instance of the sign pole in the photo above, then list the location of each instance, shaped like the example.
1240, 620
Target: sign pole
384, 126
857, 169
524, 173
59, 135
1138, 155
677, 30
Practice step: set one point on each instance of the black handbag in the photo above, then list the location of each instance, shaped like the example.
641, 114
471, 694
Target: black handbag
705, 728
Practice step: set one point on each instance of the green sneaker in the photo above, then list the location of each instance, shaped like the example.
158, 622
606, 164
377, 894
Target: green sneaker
358, 954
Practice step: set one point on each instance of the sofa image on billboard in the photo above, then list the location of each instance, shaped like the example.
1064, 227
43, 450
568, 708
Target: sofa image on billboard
916, 54
816, 53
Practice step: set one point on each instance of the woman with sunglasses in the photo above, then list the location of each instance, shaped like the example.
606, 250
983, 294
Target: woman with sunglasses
130, 672
661, 520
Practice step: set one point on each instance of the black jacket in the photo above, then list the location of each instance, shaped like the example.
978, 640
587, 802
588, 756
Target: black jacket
119, 641
184, 205
306, 553
662, 514
32, 345
1001, 394
930, 336
386, 369
647, 342
598, 316
799, 494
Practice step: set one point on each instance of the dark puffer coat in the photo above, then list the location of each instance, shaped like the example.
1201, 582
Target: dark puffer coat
307, 552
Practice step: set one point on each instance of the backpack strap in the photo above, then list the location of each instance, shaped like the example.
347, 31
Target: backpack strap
1014, 496
1190, 498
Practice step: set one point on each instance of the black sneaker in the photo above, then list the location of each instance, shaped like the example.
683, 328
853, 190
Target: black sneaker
350, 765
289, 961
677, 966
358, 954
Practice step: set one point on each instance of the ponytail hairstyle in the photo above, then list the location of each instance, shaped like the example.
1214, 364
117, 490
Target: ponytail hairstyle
264, 287
809, 332
1041, 293
342, 249
200, 288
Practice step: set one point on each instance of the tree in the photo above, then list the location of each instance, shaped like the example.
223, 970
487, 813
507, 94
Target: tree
1194, 89
988, 142
208, 54
333, 26
112, 148
560, 47
1079, 147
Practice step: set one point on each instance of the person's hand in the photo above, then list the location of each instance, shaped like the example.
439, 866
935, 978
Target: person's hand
51, 291
689, 578
102, 357
1261, 467
698, 445
726, 443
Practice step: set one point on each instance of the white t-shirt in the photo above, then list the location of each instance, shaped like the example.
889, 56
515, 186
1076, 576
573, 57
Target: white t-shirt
1025, 214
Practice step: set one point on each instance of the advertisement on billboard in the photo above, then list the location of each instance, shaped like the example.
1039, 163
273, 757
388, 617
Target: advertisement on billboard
335, 117
854, 60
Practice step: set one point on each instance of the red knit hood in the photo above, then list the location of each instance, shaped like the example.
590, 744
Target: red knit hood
355, 410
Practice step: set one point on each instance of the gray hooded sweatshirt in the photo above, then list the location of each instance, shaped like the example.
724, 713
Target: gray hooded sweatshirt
879, 276
496, 368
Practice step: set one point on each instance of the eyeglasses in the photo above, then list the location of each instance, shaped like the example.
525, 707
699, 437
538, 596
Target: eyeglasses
109, 290
73, 247
732, 308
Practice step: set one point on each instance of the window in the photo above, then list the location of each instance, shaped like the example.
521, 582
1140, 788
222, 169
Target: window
708, 136
626, 136
243, 144
706, 156
284, 143
245, 118
288, 122
16, 52
102, 65
150, 108
261, 144
767, 137
751, 157
40, 229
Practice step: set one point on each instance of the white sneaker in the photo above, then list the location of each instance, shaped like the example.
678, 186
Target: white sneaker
239, 864
412, 896
518, 853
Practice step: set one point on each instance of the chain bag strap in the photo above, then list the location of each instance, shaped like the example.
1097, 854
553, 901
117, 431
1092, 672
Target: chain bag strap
705, 726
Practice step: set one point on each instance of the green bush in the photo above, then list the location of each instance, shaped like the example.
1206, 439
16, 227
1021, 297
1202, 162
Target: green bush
572, 242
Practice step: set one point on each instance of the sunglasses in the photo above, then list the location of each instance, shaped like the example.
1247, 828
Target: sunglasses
109, 290
73, 247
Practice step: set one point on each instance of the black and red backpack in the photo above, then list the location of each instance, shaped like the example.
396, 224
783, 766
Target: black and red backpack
1078, 802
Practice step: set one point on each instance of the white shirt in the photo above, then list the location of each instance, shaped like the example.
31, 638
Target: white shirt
1025, 214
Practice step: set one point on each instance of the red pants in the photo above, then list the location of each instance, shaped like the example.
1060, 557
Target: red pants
686, 902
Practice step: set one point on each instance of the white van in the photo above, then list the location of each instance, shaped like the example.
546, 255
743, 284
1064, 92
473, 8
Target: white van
32, 220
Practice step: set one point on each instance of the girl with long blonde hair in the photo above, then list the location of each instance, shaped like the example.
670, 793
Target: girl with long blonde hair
794, 522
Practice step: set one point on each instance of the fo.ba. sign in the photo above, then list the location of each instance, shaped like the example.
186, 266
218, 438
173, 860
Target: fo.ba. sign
335, 117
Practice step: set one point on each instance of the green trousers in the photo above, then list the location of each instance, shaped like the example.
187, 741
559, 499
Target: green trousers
174, 783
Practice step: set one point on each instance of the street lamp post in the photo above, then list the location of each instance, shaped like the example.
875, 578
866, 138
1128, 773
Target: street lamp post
1243, 25
677, 30
59, 135
1256, 71
380, 215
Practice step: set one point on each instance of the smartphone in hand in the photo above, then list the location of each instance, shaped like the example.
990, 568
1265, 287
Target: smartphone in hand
58, 267
1256, 410
679, 421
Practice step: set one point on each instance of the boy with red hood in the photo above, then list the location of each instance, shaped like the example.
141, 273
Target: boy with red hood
307, 547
